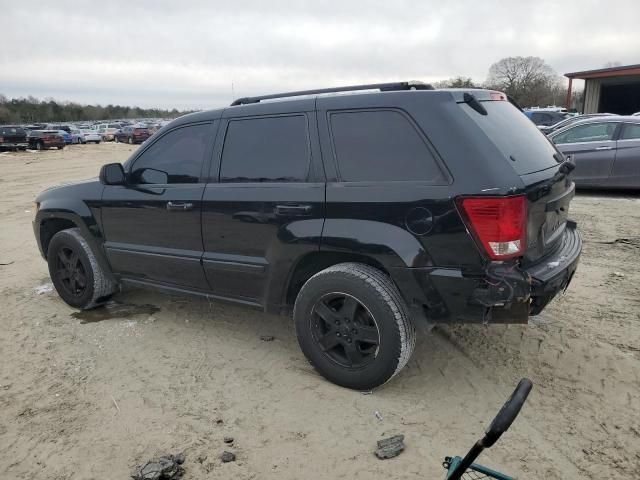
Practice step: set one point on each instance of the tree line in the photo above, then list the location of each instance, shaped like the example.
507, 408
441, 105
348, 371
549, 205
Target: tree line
32, 110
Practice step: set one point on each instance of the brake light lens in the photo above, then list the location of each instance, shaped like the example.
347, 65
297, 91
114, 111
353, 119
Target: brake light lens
499, 224
498, 96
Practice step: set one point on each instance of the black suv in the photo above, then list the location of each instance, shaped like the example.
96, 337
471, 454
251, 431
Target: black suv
13, 138
365, 214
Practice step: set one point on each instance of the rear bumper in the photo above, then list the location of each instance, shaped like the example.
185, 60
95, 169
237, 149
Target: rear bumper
504, 293
12, 145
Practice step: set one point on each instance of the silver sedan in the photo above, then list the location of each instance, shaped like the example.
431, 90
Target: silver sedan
605, 151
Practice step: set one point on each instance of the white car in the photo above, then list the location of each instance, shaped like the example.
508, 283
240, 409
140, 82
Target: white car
107, 131
91, 136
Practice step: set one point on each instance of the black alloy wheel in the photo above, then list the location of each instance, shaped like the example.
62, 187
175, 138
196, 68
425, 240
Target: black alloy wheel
345, 330
70, 271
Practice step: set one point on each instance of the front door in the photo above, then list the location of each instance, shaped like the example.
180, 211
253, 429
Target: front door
267, 207
593, 149
152, 225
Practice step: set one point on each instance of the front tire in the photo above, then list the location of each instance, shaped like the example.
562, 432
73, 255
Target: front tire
75, 272
353, 326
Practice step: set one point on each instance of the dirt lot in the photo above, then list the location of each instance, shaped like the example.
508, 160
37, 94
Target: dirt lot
89, 400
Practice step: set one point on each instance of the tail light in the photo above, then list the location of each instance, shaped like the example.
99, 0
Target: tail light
498, 224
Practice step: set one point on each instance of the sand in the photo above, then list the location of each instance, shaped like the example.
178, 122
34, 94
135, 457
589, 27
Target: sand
90, 400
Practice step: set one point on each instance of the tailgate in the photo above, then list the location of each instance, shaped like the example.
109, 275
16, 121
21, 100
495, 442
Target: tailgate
549, 194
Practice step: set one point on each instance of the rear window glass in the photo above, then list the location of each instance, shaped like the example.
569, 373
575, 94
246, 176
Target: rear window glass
381, 145
515, 136
11, 131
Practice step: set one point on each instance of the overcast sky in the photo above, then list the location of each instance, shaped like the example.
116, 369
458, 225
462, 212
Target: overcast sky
188, 54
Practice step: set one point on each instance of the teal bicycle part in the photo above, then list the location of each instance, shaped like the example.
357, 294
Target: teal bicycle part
464, 468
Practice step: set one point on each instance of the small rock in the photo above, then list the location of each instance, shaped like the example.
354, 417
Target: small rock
267, 338
219, 421
228, 439
378, 415
618, 274
227, 457
390, 447
201, 459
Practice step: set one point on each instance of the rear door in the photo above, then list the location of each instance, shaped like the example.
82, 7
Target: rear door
626, 168
264, 207
592, 147
152, 224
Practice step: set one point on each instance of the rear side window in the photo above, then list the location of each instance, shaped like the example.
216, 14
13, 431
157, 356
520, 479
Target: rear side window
381, 145
515, 136
267, 149
592, 132
631, 132
179, 154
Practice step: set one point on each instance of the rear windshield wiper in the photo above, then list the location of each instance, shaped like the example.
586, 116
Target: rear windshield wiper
473, 102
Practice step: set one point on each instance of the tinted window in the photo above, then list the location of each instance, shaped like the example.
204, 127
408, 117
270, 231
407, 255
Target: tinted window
592, 132
515, 136
631, 131
179, 154
273, 149
381, 145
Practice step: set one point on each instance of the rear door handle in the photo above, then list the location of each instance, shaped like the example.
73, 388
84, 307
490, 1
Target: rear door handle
604, 148
293, 209
179, 206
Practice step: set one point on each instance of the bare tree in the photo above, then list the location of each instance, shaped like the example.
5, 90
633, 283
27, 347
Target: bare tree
529, 80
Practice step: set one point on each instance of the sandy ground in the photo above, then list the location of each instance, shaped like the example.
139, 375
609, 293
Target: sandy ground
92, 400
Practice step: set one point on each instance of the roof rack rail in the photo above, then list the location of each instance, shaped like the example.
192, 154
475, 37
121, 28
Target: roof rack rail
383, 87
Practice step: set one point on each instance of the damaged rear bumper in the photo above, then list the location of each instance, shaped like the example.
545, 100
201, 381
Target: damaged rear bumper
504, 293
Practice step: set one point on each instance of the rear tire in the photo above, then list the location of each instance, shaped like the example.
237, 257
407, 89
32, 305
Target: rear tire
130, 140
353, 326
75, 272
39, 146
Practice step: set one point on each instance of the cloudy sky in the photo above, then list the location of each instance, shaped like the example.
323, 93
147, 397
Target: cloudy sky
198, 54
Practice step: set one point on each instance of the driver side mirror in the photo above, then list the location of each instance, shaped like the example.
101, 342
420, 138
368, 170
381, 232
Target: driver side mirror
112, 174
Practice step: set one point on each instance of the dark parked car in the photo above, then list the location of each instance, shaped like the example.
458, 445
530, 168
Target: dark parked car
605, 151
13, 138
131, 135
545, 118
570, 121
365, 215
41, 139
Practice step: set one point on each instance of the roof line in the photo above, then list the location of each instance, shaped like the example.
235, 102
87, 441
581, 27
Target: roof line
602, 70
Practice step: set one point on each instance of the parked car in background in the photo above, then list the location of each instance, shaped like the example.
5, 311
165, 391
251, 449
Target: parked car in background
132, 135
66, 136
76, 136
43, 139
545, 117
13, 138
605, 151
108, 130
570, 121
91, 136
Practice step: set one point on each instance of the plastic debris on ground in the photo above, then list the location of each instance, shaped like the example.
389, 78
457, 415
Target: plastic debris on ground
46, 288
390, 447
167, 467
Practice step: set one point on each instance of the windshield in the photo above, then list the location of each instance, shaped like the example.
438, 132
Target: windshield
515, 136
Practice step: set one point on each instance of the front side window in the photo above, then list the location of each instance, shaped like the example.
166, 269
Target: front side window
177, 156
592, 132
381, 145
631, 131
267, 149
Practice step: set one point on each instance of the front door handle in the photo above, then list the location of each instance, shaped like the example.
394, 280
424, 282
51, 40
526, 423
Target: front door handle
293, 209
179, 206
604, 148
